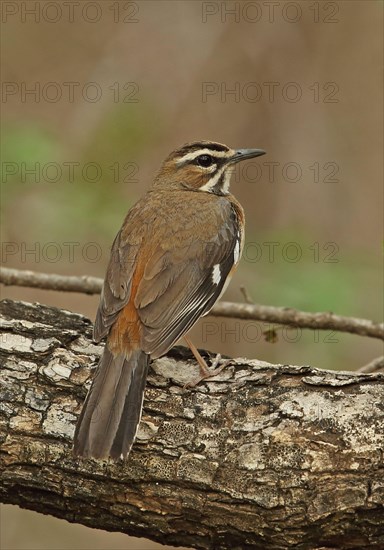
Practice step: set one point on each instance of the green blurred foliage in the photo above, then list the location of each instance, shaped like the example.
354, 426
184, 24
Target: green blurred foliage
310, 274
93, 202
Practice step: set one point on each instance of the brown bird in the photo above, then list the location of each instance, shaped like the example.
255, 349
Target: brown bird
170, 262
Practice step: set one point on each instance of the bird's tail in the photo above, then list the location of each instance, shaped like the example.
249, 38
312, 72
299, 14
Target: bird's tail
108, 423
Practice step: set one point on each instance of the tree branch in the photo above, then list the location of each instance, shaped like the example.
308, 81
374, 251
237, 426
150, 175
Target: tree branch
376, 365
50, 281
261, 457
268, 314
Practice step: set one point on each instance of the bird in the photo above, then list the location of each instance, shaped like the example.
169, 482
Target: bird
172, 259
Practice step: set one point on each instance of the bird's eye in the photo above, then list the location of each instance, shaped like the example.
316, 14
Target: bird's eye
204, 160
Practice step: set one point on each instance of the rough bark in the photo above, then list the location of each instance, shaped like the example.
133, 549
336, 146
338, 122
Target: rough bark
263, 456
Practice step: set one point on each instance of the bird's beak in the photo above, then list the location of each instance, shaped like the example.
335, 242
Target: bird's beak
243, 154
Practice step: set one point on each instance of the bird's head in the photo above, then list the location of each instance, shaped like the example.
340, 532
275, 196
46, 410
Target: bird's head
202, 166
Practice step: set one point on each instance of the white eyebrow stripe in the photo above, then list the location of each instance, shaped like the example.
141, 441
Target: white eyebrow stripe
195, 154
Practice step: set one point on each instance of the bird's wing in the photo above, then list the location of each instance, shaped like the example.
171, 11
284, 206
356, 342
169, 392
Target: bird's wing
181, 283
117, 285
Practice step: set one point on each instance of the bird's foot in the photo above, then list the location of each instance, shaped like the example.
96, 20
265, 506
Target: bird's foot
208, 372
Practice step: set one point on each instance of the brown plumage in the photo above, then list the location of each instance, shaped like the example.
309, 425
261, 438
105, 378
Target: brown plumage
170, 261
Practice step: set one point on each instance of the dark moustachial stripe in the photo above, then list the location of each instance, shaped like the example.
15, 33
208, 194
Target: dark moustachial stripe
218, 188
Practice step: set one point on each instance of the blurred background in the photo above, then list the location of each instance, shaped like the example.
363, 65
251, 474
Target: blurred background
96, 94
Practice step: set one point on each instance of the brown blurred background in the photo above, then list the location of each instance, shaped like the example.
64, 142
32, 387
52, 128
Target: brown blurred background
96, 94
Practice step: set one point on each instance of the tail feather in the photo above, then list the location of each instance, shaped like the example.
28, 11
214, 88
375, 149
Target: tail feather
108, 423
133, 405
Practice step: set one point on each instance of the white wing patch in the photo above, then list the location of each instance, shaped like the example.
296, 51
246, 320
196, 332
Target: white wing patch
236, 251
216, 274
